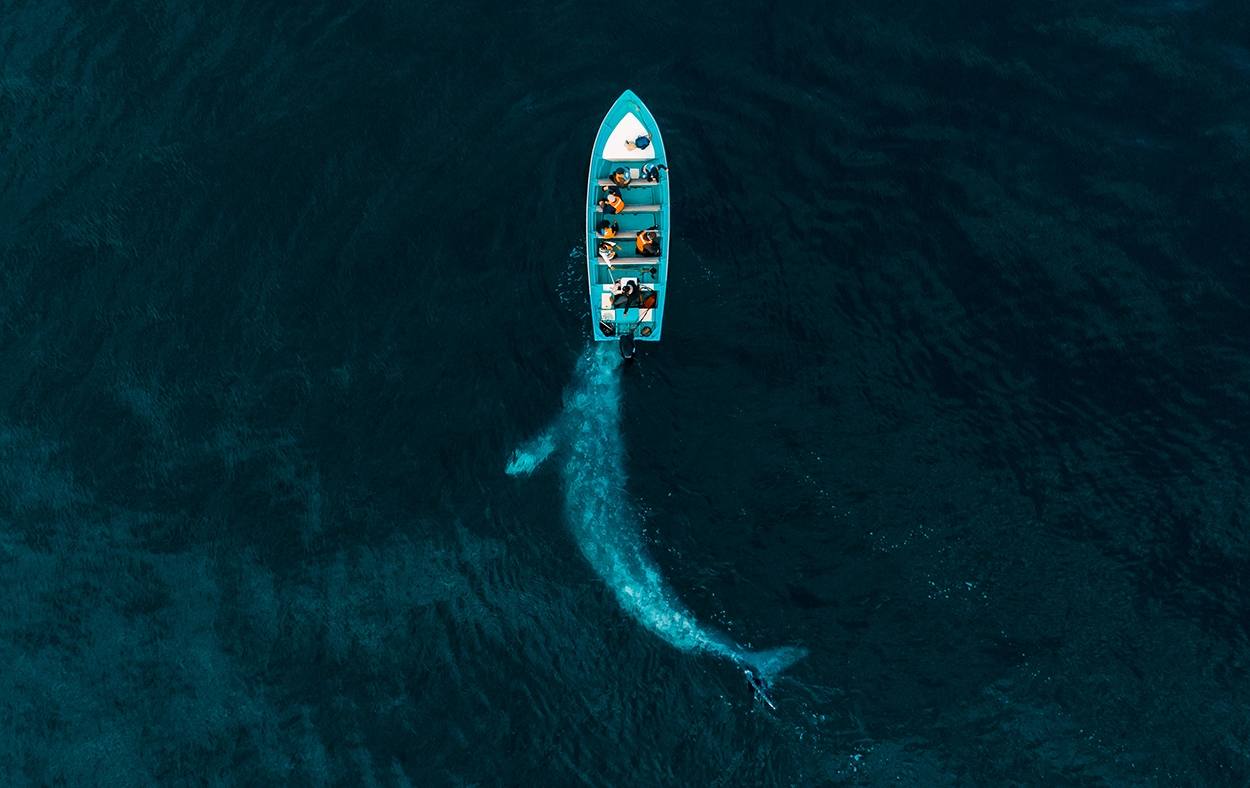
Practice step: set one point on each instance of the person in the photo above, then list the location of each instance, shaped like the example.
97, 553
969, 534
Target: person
620, 176
613, 202
641, 142
647, 243
607, 229
651, 172
607, 250
624, 295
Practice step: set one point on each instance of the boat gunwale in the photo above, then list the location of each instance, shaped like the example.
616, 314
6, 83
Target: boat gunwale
627, 102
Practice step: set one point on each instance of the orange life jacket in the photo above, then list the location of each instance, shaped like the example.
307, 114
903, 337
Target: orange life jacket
616, 202
621, 178
609, 232
643, 240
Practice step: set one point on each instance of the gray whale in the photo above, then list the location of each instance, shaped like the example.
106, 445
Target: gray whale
607, 528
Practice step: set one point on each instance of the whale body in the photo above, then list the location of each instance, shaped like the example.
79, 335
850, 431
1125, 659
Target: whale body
607, 526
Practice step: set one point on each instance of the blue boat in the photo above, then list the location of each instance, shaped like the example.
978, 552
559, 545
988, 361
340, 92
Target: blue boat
627, 258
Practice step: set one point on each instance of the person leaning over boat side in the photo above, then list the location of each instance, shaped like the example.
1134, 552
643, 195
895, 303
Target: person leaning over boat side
651, 172
646, 244
607, 250
623, 295
641, 142
607, 229
620, 176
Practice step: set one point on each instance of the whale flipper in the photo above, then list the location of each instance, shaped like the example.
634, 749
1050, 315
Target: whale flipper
532, 453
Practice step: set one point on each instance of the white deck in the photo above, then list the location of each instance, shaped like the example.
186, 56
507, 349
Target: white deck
634, 315
628, 129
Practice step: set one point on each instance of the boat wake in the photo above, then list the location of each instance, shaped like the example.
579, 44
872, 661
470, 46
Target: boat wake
607, 526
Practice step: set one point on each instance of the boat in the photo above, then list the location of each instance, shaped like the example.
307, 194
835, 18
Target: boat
627, 277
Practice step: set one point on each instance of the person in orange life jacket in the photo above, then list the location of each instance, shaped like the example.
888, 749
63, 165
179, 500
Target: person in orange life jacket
620, 176
607, 229
647, 243
613, 202
651, 172
641, 142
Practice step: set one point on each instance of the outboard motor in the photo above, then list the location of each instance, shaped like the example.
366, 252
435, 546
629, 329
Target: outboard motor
627, 346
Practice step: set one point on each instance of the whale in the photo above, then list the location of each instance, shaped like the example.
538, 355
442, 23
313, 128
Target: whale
607, 526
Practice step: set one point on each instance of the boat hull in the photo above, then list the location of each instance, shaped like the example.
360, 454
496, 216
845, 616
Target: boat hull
628, 284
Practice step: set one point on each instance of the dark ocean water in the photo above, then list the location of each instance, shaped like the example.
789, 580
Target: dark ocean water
953, 393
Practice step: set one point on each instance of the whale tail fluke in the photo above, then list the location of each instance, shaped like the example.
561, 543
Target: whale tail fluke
531, 454
772, 662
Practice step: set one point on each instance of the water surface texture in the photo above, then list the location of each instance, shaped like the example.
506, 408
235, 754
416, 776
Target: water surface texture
954, 393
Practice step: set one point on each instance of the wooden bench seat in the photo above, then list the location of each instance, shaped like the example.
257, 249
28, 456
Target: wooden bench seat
649, 208
636, 183
620, 260
630, 234
646, 286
